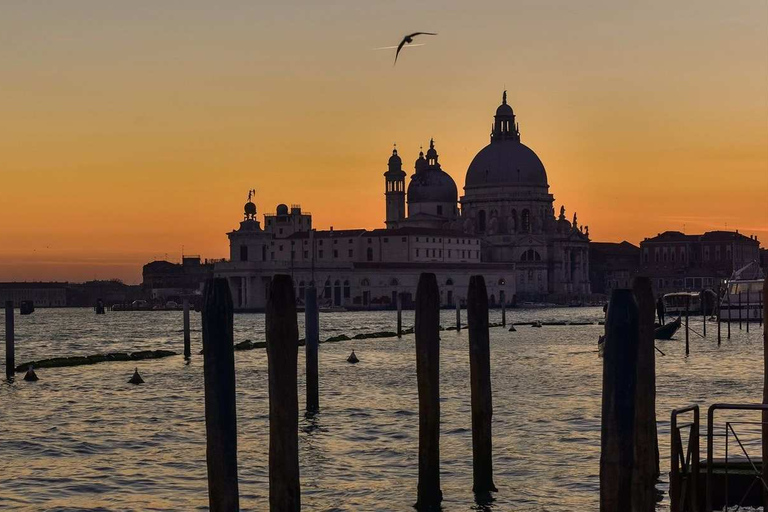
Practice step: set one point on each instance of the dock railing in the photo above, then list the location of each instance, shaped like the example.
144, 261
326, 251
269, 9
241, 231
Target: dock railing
752, 469
684, 464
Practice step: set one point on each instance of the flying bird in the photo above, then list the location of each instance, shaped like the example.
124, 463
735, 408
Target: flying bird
409, 39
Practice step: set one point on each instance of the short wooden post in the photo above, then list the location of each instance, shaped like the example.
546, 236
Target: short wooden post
480, 385
761, 308
312, 346
703, 300
187, 338
220, 409
687, 309
399, 300
10, 344
646, 436
458, 314
618, 405
427, 331
282, 357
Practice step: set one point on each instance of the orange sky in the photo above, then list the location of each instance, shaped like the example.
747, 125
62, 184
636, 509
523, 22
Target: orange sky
132, 129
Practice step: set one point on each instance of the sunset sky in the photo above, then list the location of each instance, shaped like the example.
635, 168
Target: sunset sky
129, 130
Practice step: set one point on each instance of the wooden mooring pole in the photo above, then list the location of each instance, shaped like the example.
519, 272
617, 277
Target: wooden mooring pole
427, 331
717, 305
703, 300
739, 310
282, 358
646, 435
187, 338
399, 300
503, 309
480, 386
764, 316
687, 309
617, 451
312, 346
458, 314
220, 410
10, 344
749, 306
730, 312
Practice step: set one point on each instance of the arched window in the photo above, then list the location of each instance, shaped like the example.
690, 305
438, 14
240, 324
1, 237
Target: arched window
346, 289
327, 290
365, 282
393, 282
481, 221
530, 255
525, 221
502, 281
369, 254
513, 227
449, 282
301, 289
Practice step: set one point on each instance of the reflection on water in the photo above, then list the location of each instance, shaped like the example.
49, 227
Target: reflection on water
83, 438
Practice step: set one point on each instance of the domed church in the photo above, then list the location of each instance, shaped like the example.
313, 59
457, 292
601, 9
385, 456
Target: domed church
506, 203
503, 227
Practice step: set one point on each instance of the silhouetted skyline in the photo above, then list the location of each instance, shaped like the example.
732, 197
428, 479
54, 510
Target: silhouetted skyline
135, 129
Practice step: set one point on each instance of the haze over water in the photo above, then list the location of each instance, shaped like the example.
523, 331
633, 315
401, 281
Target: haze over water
83, 438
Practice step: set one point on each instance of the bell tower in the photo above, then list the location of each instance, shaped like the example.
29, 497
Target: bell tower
395, 190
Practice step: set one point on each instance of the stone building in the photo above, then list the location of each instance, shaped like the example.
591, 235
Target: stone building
680, 262
504, 227
612, 265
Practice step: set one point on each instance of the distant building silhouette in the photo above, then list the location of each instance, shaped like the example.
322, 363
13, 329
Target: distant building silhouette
680, 262
163, 281
612, 265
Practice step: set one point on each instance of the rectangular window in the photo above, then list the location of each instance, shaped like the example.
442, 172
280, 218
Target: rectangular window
439, 209
370, 240
243, 253
320, 253
351, 253
404, 239
335, 242
280, 247
449, 253
335, 253
386, 240
306, 254
417, 253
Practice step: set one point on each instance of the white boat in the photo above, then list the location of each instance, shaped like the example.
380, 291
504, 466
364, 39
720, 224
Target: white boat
743, 297
676, 303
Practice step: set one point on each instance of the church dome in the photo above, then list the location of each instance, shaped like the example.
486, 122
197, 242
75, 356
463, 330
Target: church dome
505, 162
282, 209
432, 186
395, 160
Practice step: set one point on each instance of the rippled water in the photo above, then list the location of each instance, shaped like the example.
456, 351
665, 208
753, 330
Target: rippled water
82, 438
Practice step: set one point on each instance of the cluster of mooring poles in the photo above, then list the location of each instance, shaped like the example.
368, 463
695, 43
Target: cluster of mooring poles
282, 355
629, 451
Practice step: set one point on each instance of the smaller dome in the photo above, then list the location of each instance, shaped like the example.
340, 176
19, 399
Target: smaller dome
250, 208
395, 160
504, 110
282, 209
432, 186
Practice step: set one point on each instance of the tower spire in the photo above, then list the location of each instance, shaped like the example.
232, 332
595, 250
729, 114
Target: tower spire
504, 98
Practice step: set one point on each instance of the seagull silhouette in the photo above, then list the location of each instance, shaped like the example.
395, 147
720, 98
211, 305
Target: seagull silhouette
409, 39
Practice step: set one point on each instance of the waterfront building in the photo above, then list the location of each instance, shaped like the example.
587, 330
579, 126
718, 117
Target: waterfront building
163, 280
42, 295
612, 265
503, 227
679, 262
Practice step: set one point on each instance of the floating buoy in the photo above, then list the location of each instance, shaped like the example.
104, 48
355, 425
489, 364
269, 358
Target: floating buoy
536, 324
512, 328
31, 376
352, 358
136, 379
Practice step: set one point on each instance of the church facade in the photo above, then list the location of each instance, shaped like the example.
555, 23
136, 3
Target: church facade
504, 227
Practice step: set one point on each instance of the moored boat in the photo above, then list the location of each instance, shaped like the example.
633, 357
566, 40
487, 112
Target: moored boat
666, 331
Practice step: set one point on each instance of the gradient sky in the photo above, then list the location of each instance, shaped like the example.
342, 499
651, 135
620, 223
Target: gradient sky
131, 129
